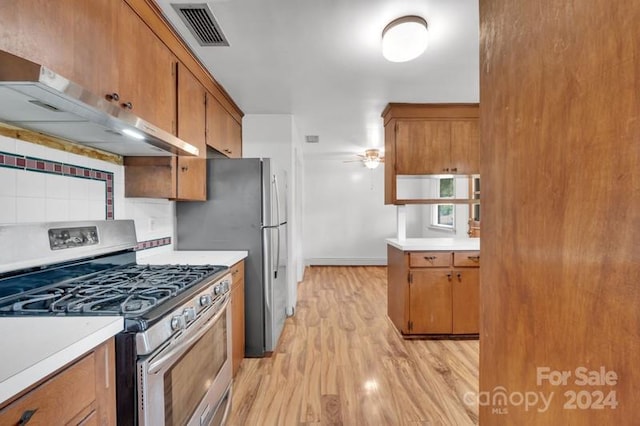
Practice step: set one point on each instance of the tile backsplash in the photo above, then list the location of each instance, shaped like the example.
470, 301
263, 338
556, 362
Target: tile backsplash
39, 184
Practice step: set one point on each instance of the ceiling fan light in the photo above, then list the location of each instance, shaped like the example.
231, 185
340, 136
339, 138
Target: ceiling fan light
371, 163
404, 39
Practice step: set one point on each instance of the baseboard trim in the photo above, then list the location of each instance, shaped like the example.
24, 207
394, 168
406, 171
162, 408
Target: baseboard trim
328, 261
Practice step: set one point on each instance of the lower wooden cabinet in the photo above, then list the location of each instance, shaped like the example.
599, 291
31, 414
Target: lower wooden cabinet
433, 293
83, 393
237, 315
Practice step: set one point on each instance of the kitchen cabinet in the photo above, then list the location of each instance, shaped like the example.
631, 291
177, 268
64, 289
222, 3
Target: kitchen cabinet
426, 139
237, 315
433, 292
82, 393
224, 133
146, 82
97, 45
182, 178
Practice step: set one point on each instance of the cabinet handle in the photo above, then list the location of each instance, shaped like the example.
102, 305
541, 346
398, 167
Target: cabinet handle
184, 168
127, 105
430, 258
449, 276
445, 170
26, 416
455, 169
112, 97
474, 258
227, 151
459, 276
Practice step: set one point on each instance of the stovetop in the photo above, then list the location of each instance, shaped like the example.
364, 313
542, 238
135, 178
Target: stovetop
130, 290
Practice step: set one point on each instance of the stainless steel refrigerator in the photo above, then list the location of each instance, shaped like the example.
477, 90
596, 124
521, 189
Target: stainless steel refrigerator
245, 210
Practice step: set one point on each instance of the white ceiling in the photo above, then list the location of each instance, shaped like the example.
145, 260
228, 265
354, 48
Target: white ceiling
321, 61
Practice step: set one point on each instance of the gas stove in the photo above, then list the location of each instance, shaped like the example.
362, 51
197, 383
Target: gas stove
174, 315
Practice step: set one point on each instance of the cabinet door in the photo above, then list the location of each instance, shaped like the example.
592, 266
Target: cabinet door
466, 301
146, 71
423, 147
216, 124
234, 142
192, 172
430, 301
74, 38
465, 147
82, 393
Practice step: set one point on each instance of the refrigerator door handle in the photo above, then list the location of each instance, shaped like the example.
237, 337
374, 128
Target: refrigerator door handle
277, 195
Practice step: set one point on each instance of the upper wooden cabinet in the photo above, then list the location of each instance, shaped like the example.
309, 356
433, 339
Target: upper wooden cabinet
192, 172
224, 133
126, 52
146, 81
182, 178
424, 139
103, 45
75, 38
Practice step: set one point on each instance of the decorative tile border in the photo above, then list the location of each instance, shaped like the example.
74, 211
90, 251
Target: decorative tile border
32, 164
144, 245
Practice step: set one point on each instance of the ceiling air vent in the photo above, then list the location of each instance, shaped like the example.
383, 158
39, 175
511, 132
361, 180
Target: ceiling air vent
201, 22
312, 138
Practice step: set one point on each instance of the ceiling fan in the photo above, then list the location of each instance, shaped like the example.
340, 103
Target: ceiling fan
371, 158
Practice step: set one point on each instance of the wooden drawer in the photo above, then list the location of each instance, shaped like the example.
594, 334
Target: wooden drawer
429, 259
237, 273
67, 398
466, 258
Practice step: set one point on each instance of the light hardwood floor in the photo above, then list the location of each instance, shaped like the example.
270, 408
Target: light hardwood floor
340, 361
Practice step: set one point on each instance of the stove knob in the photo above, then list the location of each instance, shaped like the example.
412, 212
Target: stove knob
217, 290
189, 314
225, 286
177, 322
205, 300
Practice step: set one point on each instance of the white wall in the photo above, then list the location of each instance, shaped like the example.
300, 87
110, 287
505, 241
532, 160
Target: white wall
30, 196
345, 218
275, 136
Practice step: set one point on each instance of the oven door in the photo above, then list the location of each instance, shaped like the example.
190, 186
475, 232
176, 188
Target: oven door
188, 381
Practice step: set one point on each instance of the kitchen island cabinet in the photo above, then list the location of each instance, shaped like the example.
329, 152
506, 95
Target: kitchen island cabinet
434, 292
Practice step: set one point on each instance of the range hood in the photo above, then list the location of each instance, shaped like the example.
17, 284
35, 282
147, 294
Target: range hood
34, 97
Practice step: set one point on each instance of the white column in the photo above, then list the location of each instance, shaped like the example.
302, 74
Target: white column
402, 222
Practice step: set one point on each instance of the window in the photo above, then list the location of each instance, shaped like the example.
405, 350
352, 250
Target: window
444, 215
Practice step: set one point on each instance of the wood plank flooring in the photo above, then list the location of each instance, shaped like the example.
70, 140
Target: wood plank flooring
340, 361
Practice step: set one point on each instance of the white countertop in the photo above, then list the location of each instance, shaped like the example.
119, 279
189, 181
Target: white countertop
34, 347
188, 257
435, 244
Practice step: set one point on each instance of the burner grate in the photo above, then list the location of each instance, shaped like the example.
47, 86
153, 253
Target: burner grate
129, 290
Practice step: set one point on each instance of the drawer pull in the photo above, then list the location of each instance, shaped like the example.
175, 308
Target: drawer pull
26, 416
430, 258
459, 276
449, 276
474, 258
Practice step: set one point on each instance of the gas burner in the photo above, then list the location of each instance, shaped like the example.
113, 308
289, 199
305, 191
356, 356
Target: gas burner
129, 290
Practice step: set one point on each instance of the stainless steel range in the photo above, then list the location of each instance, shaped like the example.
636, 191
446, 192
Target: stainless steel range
173, 361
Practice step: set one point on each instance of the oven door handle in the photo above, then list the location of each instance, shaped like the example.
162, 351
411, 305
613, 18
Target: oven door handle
157, 364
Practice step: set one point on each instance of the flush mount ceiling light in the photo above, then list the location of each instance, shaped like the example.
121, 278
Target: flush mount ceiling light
404, 39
